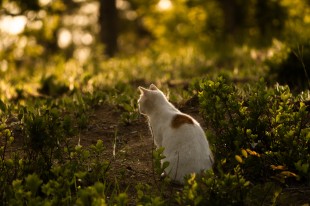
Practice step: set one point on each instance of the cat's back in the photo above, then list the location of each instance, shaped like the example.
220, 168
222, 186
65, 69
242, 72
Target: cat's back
183, 122
184, 129
178, 120
186, 146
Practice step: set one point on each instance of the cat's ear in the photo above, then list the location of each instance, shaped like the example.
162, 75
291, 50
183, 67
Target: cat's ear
153, 87
143, 90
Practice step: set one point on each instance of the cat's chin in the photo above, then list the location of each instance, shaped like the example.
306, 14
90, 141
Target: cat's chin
142, 112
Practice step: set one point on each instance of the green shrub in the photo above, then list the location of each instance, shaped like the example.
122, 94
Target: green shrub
158, 157
260, 139
146, 196
10, 166
210, 189
272, 124
94, 195
75, 178
43, 132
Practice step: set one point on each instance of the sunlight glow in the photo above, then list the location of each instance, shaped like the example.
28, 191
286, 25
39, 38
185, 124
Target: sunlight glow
13, 25
87, 39
4, 65
90, 8
122, 5
64, 38
44, 2
82, 54
131, 15
164, 5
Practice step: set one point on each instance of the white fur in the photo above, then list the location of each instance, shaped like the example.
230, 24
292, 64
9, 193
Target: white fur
186, 148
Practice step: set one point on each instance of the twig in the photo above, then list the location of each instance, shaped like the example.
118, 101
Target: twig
153, 149
299, 56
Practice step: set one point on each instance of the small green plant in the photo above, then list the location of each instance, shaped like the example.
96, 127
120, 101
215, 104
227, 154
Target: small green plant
43, 134
52, 87
26, 192
92, 195
159, 164
146, 196
210, 189
74, 178
10, 165
123, 98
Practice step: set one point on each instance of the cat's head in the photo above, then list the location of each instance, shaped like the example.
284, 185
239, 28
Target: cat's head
150, 99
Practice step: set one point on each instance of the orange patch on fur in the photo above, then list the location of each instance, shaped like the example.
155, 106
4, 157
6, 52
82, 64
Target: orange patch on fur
180, 119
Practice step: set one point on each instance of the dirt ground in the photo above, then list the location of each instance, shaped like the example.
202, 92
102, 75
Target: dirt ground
129, 147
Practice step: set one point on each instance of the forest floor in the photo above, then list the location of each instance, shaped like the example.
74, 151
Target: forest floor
129, 149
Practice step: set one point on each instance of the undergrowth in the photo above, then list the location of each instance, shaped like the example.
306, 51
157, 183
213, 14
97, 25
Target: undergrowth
259, 135
261, 143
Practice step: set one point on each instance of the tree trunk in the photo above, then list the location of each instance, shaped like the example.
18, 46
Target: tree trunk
229, 10
108, 26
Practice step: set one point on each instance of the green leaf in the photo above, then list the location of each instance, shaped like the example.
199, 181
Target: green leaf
33, 183
99, 145
238, 158
165, 165
122, 199
127, 107
2, 106
80, 174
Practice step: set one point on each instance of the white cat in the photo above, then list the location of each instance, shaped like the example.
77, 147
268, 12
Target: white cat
186, 146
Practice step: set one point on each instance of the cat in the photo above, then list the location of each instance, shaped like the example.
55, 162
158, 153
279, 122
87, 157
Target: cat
186, 147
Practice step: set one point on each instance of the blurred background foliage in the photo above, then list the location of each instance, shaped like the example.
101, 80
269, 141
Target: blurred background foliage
67, 38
